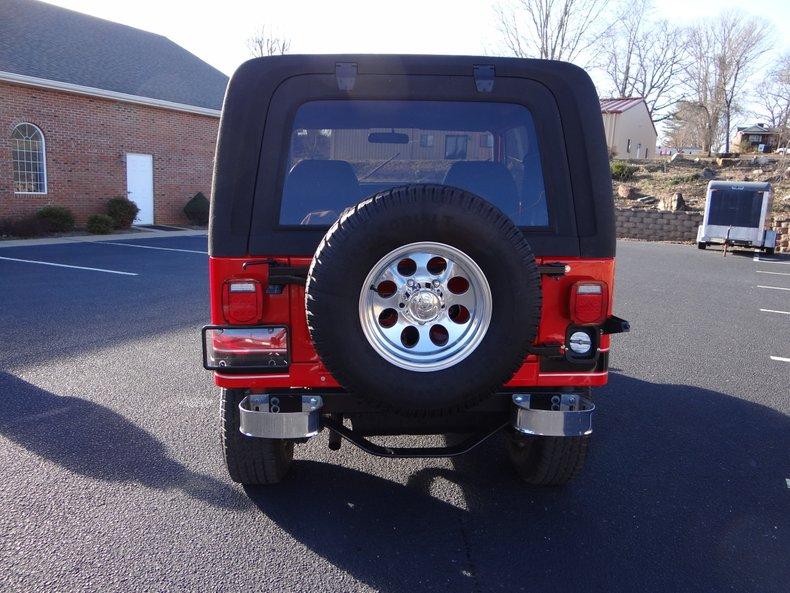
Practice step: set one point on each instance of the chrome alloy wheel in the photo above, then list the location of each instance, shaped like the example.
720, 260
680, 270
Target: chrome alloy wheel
425, 306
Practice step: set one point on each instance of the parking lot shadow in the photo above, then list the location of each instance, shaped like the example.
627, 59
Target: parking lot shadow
91, 440
684, 491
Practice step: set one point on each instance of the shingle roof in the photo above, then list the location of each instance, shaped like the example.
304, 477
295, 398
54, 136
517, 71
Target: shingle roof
45, 41
619, 105
757, 129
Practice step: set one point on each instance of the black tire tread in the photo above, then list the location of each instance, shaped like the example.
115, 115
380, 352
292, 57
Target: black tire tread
249, 460
401, 197
548, 461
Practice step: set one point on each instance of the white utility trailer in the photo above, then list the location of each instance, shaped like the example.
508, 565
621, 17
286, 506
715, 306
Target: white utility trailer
735, 214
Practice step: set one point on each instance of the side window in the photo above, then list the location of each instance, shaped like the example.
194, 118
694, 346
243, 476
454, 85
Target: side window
28, 157
426, 140
455, 146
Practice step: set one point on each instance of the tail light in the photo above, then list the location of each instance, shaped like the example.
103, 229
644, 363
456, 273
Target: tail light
253, 348
242, 301
589, 303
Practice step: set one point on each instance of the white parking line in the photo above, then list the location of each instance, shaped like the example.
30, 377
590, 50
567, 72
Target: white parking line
771, 261
47, 263
151, 247
777, 273
774, 311
780, 359
773, 287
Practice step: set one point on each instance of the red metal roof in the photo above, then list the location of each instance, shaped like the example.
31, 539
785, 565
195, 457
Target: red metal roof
619, 105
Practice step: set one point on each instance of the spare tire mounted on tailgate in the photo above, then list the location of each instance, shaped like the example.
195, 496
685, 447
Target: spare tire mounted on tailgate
423, 299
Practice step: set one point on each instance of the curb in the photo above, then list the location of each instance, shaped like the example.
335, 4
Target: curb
146, 234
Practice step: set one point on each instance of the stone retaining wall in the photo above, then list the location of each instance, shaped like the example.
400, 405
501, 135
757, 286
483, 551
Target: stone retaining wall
658, 225
782, 226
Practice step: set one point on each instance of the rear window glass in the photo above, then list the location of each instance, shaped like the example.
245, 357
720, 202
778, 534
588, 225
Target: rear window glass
343, 151
732, 207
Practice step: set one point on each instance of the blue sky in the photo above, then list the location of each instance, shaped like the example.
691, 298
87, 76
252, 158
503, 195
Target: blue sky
217, 32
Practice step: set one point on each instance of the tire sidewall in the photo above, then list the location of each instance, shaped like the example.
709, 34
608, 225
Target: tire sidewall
454, 218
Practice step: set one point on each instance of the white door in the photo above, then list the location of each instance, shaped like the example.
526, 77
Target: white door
140, 185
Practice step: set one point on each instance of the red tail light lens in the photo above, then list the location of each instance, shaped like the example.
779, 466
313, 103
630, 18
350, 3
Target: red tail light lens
242, 301
589, 302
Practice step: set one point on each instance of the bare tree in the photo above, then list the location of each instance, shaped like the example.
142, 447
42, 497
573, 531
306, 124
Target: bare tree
724, 54
644, 58
264, 43
552, 29
774, 97
743, 42
687, 126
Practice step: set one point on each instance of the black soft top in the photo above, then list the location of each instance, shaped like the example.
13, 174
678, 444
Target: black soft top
251, 152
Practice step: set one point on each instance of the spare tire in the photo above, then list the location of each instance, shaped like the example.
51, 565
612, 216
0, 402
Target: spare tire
423, 299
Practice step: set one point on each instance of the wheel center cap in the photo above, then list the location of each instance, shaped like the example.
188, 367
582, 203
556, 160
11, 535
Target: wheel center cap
424, 305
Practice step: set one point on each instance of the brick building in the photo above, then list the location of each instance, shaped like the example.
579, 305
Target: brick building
91, 109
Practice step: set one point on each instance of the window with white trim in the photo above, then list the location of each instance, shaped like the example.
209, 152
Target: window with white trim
29, 159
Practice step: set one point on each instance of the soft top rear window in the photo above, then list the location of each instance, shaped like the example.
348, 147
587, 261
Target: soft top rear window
342, 151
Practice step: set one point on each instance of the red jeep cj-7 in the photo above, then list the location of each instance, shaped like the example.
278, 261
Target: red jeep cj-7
410, 245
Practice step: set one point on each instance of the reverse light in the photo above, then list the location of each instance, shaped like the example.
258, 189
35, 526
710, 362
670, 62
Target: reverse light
589, 302
247, 348
242, 301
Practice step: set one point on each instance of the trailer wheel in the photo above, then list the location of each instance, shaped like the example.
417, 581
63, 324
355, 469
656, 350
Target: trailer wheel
547, 461
770, 250
701, 245
250, 460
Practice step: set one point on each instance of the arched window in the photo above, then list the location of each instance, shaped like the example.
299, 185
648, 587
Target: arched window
30, 160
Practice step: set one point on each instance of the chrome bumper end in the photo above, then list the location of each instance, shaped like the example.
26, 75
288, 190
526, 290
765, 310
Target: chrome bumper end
569, 415
260, 416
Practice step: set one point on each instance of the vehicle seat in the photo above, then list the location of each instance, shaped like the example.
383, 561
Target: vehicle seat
533, 192
316, 192
489, 180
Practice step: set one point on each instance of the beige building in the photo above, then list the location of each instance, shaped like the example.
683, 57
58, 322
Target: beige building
630, 133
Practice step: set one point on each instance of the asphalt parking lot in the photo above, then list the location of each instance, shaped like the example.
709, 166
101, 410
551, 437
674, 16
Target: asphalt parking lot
111, 476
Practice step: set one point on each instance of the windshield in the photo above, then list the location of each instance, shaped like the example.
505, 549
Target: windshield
343, 151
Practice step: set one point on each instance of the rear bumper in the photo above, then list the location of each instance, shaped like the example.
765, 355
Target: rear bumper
301, 416
315, 376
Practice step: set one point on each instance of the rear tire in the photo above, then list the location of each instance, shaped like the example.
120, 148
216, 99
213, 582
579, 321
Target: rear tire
250, 460
547, 461
701, 245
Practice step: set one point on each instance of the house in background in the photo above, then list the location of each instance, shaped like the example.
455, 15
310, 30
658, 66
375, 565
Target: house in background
91, 109
630, 133
750, 138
